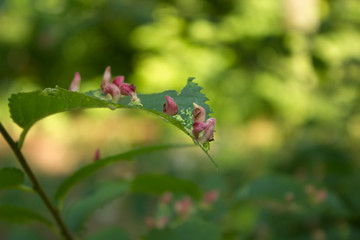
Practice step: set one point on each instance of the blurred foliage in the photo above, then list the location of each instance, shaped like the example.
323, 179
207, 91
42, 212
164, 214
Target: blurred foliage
282, 78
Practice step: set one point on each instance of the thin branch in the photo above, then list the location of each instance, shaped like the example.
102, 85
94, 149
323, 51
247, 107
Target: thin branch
36, 185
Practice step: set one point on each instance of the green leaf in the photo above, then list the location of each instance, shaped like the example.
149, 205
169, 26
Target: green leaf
109, 234
191, 230
15, 214
27, 108
189, 94
88, 170
334, 206
11, 178
106, 192
272, 188
158, 184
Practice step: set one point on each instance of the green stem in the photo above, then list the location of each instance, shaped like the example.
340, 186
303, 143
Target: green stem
22, 137
36, 185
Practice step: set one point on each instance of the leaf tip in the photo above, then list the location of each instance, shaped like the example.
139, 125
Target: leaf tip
190, 79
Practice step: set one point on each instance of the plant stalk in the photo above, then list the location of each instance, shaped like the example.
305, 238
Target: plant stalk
36, 185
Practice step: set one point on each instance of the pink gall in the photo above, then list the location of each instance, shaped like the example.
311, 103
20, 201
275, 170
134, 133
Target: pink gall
150, 222
118, 81
198, 127
321, 195
170, 108
129, 89
183, 207
75, 84
113, 90
161, 222
166, 198
198, 113
97, 155
208, 134
210, 197
106, 78
118, 87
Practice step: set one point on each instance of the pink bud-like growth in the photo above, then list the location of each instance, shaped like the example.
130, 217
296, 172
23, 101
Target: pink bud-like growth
166, 198
208, 134
198, 127
183, 207
321, 195
113, 90
119, 80
204, 132
150, 222
210, 197
161, 222
198, 113
75, 84
97, 154
118, 87
170, 108
106, 78
129, 89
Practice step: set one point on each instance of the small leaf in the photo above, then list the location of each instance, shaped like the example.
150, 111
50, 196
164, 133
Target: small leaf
106, 192
15, 214
191, 230
88, 170
109, 234
11, 178
158, 184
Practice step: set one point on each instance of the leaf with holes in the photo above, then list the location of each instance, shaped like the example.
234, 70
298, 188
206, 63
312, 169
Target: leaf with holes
27, 108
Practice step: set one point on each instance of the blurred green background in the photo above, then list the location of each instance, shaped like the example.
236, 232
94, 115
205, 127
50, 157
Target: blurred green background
283, 82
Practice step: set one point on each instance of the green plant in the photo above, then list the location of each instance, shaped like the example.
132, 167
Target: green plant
28, 108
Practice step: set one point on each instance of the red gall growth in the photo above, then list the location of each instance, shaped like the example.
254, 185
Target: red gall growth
170, 108
113, 90
118, 87
202, 131
97, 155
75, 84
198, 113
